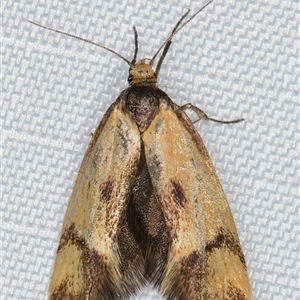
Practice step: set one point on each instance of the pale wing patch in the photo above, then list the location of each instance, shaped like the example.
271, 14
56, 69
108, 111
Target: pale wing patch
88, 261
203, 261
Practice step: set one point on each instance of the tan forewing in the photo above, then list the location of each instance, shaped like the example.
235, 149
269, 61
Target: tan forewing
205, 257
88, 258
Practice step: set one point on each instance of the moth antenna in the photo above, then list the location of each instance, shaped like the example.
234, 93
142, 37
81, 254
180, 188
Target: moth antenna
136, 46
85, 40
167, 43
167, 46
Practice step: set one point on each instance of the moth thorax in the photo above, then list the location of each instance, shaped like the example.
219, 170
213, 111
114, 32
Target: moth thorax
141, 72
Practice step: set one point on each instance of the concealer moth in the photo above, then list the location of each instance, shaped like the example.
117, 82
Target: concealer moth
147, 205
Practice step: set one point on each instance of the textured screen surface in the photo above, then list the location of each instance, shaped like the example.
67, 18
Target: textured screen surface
236, 59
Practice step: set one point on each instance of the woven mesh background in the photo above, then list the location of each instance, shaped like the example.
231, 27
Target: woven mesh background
236, 59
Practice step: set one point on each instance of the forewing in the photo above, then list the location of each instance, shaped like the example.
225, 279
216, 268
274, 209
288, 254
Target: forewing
89, 261
205, 259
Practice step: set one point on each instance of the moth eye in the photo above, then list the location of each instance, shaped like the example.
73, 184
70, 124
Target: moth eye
130, 77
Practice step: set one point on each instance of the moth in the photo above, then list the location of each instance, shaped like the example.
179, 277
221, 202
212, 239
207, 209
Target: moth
147, 205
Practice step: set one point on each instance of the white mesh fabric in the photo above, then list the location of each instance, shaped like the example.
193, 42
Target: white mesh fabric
236, 59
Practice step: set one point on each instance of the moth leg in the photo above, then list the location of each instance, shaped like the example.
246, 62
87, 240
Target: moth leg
203, 116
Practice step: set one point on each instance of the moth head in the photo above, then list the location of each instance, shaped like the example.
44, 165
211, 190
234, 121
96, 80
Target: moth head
141, 72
